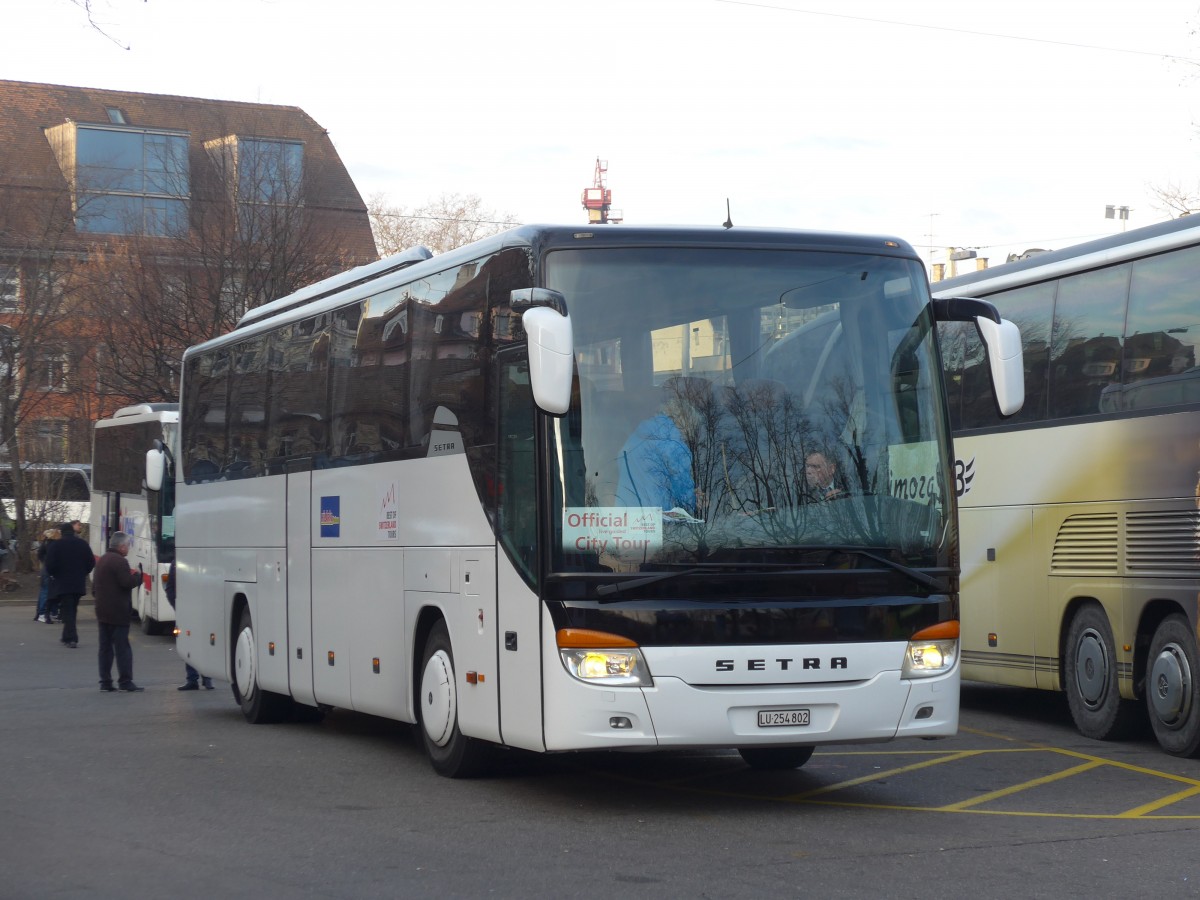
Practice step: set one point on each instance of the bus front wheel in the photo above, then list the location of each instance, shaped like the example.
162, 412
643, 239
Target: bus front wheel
258, 706
774, 759
451, 753
1172, 695
1090, 673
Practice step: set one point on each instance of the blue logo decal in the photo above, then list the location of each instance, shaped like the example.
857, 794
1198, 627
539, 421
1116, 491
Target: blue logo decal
331, 517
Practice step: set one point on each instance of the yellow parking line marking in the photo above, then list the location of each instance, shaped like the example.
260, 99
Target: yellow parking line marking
1129, 767
1024, 786
1142, 810
876, 776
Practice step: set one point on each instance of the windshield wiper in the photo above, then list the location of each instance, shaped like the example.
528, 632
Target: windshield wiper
696, 568
924, 579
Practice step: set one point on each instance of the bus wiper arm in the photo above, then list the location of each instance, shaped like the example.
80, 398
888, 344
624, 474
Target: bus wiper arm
756, 568
922, 578
617, 586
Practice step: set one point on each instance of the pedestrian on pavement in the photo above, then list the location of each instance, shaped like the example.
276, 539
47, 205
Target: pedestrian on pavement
45, 613
69, 560
112, 586
192, 677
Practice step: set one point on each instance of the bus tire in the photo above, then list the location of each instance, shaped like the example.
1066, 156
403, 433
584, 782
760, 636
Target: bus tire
150, 626
775, 759
1172, 689
450, 752
1090, 678
258, 706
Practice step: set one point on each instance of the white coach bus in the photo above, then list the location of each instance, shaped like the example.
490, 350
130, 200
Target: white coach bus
549, 491
1081, 564
120, 501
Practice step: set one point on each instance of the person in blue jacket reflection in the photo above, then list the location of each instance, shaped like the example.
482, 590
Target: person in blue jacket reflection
655, 468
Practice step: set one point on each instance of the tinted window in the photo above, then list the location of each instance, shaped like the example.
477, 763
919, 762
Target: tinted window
205, 404
1085, 343
248, 411
1163, 329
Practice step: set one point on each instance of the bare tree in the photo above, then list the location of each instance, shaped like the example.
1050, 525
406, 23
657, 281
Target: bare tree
250, 239
450, 221
1176, 200
38, 259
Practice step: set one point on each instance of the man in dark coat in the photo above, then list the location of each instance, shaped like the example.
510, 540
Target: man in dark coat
112, 585
68, 562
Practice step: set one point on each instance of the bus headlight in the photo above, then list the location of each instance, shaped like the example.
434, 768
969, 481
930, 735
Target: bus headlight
597, 657
931, 651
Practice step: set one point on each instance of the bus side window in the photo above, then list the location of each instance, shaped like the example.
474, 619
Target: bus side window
516, 481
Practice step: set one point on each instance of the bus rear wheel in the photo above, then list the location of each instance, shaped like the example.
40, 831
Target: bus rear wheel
1090, 675
1172, 689
451, 753
150, 626
774, 759
258, 706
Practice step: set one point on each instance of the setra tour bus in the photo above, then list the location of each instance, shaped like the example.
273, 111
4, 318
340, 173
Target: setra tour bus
1080, 557
121, 501
561, 489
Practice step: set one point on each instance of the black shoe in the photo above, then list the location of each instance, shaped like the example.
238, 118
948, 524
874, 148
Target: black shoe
73, 644
208, 686
131, 687
107, 688
190, 686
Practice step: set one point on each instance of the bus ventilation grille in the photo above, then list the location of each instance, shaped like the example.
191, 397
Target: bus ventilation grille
1163, 542
1086, 543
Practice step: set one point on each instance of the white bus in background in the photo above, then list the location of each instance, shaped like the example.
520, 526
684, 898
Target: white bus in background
1080, 549
548, 491
120, 502
54, 493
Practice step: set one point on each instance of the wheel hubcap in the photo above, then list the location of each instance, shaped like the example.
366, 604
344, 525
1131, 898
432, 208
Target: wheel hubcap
1170, 685
1091, 668
437, 698
243, 663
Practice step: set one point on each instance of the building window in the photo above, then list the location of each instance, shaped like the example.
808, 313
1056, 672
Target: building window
46, 441
10, 289
131, 181
48, 370
269, 171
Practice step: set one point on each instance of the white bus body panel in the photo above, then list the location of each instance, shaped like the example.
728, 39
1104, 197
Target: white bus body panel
331, 612
693, 705
521, 614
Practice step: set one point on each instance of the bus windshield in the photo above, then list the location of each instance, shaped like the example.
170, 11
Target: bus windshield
747, 407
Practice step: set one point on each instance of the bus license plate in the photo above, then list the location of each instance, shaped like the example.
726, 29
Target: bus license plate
772, 718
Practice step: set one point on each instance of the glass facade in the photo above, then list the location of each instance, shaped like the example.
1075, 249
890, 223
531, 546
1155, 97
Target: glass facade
131, 181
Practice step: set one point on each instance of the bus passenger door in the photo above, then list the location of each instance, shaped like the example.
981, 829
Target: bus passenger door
299, 585
518, 608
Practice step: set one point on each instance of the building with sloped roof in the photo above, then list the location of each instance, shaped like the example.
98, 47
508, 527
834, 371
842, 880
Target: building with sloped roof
133, 225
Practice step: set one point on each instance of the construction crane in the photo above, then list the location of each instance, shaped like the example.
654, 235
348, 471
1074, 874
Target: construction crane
597, 199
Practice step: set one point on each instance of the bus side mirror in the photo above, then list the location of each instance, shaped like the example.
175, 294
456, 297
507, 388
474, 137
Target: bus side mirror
1005, 358
1002, 341
156, 467
551, 358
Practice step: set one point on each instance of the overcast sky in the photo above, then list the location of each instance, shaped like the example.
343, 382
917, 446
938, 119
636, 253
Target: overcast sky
1000, 126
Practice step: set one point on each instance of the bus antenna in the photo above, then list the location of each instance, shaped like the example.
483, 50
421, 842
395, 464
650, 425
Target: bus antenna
728, 223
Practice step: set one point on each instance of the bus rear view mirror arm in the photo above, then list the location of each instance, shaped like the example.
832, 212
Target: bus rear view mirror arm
551, 347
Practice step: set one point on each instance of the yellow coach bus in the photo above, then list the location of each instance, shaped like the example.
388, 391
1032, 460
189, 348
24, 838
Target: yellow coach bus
1079, 523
